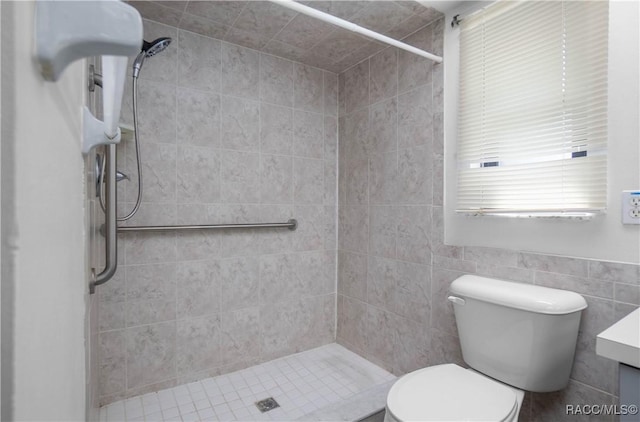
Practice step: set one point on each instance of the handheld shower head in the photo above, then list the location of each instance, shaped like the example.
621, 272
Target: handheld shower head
156, 46
149, 49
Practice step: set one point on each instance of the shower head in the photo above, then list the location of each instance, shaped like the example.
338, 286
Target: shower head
156, 46
149, 49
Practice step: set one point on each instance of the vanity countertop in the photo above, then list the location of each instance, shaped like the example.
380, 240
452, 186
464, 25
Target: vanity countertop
621, 341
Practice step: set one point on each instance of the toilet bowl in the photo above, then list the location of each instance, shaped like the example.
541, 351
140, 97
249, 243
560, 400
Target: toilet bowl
451, 393
515, 337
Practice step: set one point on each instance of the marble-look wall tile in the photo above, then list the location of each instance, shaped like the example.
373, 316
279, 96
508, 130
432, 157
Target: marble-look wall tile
330, 138
414, 70
308, 181
239, 173
353, 228
383, 77
414, 176
330, 195
352, 275
381, 282
239, 280
146, 248
438, 247
354, 135
112, 315
558, 264
627, 293
158, 169
552, 406
276, 175
198, 288
356, 87
310, 233
411, 345
444, 348
112, 352
156, 111
240, 124
276, 240
383, 231
357, 181
330, 228
197, 245
198, 118
308, 88
442, 317
276, 80
577, 284
415, 121
520, 275
277, 281
380, 334
613, 271
383, 118
203, 26
589, 368
491, 256
384, 179
240, 335
330, 93
414, 234
198, 344
198, 174
151, 353
276, 129
308, 134
292, 326
240, 71
198, 61
352, 323
412, 297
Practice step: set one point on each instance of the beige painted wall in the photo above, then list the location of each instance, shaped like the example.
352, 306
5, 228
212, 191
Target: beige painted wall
43, 229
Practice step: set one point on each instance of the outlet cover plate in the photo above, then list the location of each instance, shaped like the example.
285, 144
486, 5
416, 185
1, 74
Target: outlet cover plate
631, 207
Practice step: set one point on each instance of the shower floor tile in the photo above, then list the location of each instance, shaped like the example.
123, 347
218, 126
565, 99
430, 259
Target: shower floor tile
300, 384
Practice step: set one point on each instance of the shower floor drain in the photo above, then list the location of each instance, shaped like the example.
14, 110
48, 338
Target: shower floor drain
267, 404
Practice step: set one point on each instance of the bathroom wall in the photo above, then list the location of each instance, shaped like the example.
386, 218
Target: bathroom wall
44, 277
394, 268
229, 135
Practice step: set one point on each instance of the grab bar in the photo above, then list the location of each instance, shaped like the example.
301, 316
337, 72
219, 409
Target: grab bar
291, 225
110, 225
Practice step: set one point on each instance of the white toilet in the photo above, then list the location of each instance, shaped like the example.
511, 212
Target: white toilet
515, 337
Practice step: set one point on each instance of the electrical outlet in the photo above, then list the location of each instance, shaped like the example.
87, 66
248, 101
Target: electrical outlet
630, 207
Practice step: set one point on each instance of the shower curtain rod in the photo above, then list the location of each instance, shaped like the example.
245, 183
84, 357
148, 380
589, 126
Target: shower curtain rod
326, 17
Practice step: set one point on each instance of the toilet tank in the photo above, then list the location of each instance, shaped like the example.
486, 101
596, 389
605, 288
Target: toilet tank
520, 334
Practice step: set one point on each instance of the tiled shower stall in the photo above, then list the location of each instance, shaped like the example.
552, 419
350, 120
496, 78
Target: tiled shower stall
353, 149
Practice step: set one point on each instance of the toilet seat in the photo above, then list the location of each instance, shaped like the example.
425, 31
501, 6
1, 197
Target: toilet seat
451, 393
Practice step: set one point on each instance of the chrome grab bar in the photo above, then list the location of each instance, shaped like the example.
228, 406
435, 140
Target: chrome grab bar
110, 225
292, 224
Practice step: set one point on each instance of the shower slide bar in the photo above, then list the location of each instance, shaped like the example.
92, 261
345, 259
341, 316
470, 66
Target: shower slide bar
292, 224
326, 17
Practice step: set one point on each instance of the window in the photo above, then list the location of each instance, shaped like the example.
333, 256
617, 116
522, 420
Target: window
532, 122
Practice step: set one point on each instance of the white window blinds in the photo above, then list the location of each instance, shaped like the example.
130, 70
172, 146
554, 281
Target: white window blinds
532, 132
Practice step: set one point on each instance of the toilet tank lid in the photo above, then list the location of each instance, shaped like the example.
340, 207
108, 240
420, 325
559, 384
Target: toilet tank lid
543, 300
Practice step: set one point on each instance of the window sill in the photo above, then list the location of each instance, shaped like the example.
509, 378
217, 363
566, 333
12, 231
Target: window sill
570, 215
